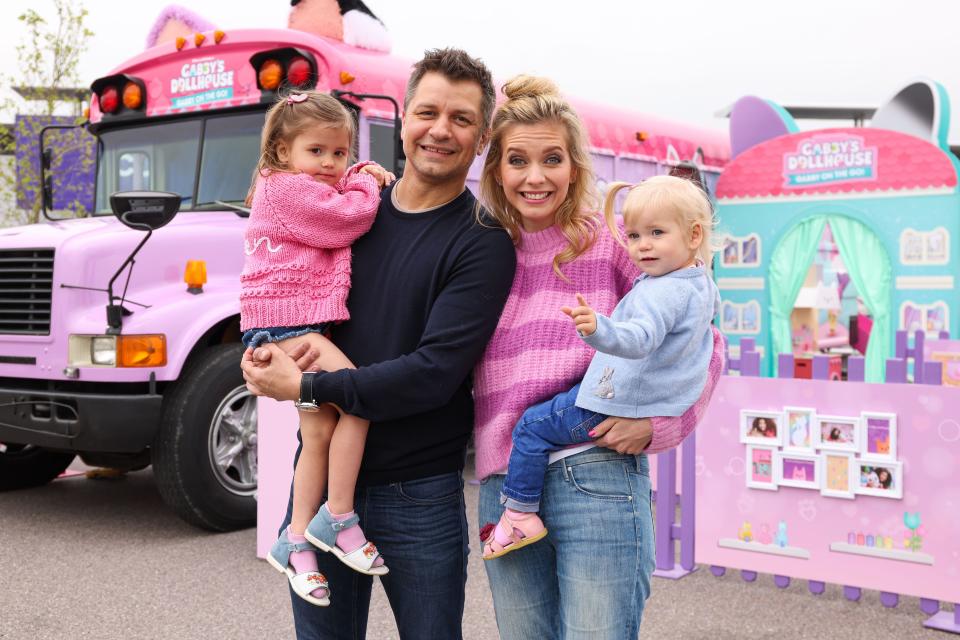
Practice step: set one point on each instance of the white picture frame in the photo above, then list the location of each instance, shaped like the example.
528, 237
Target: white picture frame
795, 470
832, 475
925, 247
757, 455
872, 446
838, 433
870, 480
756, 421
792, 418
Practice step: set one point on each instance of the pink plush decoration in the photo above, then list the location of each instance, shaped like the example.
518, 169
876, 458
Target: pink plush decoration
175, 21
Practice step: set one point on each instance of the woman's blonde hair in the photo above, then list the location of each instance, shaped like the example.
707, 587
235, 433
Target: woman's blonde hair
680, 197
289, 117
532, 100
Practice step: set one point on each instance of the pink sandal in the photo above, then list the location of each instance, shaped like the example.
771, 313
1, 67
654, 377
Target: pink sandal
522, 533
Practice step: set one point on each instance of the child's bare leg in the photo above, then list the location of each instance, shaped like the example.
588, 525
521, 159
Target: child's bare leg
346, 452
310, 475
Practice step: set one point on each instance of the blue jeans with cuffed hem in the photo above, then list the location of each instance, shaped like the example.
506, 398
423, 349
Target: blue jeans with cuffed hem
590, 577
426, 583
543, 428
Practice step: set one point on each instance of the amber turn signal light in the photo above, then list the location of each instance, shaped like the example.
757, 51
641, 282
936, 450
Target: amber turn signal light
142, 351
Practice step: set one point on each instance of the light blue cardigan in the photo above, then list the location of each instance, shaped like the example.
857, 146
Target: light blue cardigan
654, 349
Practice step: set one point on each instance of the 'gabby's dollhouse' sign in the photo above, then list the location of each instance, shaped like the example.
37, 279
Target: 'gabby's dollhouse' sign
829, 158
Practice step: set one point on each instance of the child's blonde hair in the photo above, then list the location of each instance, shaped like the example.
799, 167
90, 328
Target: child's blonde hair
289, 117
530, 101
682, 198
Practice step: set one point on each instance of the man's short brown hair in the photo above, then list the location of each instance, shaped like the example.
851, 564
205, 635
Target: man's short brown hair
456, 65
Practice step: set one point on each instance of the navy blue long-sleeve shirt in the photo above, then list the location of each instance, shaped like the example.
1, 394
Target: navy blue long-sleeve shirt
427, 292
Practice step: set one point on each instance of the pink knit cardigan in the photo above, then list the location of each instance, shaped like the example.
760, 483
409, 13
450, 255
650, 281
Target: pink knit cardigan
297, 243
535, 352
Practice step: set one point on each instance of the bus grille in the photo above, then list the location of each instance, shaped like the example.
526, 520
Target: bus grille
26, 285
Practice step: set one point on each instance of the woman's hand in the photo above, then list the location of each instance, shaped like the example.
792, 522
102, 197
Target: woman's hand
584, 317
383, 177
270, 372
624, 435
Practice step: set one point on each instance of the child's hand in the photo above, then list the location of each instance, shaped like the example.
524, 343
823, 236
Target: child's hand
384, 178
583, 317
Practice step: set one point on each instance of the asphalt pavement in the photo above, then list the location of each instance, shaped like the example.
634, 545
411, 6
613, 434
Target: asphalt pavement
104, 559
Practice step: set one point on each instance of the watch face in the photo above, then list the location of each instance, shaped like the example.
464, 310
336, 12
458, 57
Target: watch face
308, 407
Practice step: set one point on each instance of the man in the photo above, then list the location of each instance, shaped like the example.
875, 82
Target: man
429, 283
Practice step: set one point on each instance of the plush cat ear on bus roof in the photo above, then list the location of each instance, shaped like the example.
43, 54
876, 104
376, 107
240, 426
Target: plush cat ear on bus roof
920, 109
175, 21
357, 26
754, 120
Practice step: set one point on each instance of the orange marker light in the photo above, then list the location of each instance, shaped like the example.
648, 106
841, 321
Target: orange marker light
181, 42
142, 351
86, 112
641, 136
132, 96
198, 39
270, 74
218, 36
195, 275
346, 77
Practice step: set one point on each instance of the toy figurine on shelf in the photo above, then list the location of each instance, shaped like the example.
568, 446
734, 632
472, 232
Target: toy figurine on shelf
746, 532
764, 536
914, 538
781, 537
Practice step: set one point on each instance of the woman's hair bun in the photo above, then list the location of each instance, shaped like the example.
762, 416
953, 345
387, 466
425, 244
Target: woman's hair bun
524, 86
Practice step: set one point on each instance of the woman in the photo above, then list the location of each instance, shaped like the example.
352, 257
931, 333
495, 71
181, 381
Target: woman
591, 575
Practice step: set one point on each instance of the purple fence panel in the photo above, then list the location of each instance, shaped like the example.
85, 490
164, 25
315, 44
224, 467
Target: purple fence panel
821, 367
855, 369
933, 373
750, 363
896, 370
785, 365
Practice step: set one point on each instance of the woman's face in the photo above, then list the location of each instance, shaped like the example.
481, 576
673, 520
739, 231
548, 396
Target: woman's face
535, 172
883, 474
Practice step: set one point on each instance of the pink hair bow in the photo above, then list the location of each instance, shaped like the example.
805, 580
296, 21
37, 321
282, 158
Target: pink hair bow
296, 97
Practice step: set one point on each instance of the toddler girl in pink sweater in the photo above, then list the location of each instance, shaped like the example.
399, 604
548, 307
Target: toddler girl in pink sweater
307, 208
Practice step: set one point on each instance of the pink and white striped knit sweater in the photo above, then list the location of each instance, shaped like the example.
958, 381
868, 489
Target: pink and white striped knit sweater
297, 243
535, 352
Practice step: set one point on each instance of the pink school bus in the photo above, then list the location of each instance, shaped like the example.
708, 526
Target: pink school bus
108, 350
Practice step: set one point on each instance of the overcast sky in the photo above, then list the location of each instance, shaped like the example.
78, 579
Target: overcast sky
675, 58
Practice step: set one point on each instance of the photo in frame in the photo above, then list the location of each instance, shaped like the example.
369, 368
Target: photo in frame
837, 433
800, 423
764, 428
879, 478
760, 474
797, 470
878, 435
838, 478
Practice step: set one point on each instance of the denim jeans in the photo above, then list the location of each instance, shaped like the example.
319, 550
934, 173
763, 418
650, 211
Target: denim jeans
543, 428
590, 577
420, 527
255, 337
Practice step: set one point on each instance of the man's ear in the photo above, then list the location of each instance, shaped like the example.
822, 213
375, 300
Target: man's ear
483, 141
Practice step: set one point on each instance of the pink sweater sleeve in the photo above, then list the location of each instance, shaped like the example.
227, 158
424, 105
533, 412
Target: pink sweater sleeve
670, 432
322, 216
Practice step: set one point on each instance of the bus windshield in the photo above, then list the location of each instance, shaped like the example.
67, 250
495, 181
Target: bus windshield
204, 159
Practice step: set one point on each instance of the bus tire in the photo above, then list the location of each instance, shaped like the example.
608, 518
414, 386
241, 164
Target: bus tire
23, 466
204, 454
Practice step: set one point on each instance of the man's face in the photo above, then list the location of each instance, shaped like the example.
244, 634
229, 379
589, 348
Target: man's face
441, 129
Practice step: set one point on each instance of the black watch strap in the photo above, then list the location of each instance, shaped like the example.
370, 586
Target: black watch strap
306, 403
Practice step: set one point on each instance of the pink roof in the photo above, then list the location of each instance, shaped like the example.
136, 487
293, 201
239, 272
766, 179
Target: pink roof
803, 163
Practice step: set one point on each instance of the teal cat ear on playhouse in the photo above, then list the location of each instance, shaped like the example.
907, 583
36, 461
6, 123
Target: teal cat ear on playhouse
920, 109
754, 120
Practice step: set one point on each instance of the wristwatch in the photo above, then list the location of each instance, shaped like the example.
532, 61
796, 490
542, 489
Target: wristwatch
306, 403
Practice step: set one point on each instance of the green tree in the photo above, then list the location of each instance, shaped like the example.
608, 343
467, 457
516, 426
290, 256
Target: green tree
48, 58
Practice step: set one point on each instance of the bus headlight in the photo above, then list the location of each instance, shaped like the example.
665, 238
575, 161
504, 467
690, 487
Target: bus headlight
149, 350
103, 351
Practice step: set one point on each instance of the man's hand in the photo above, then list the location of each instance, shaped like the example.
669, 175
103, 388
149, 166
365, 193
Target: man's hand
584, 318
270, 372
623, 435
384, 178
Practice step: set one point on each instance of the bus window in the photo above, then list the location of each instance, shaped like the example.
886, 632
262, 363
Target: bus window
166, 152
231, 146
381, 144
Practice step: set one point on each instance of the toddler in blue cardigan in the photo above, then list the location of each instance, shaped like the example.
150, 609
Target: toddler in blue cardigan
652, 352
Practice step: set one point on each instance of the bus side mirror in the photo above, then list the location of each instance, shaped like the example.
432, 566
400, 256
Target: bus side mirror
145, 210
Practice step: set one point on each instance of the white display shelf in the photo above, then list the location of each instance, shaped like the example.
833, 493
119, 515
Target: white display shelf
876, 552
758, 547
